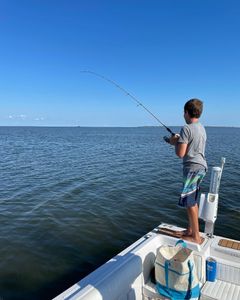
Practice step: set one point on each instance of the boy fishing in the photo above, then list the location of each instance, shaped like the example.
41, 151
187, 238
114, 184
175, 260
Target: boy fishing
190, 146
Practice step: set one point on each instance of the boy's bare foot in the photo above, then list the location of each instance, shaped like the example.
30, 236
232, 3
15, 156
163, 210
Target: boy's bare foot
193, 240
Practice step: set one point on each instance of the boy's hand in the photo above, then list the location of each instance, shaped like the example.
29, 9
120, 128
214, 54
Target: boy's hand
174, 139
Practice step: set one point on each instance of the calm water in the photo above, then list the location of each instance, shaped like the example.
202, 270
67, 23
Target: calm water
71, 198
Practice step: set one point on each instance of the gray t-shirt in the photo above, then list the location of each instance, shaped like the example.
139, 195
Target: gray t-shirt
194, 135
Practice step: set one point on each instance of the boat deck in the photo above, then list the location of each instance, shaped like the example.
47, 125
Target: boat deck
129, 275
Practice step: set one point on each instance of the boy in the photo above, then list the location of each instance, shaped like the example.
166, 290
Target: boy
190, 145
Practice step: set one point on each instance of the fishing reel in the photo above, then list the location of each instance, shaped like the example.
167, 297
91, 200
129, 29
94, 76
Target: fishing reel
166, 139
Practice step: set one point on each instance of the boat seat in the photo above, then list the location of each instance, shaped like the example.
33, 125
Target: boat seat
220, 290
150, 292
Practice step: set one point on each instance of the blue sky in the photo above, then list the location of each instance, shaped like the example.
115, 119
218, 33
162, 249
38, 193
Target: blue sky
164, 52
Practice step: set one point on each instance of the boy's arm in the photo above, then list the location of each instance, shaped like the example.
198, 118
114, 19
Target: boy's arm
180, 148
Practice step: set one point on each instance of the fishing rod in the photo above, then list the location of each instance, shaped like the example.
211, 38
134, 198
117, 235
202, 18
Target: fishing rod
131, 96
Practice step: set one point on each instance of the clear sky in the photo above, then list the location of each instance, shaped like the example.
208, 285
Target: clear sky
164, 52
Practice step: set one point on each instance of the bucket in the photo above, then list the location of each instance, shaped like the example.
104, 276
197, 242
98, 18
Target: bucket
211, 269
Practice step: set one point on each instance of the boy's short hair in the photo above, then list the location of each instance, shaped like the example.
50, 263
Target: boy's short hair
194, 107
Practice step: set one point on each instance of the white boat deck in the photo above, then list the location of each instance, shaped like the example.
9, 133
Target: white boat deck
127, 276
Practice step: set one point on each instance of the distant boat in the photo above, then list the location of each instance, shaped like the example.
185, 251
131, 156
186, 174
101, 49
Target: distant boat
129, 275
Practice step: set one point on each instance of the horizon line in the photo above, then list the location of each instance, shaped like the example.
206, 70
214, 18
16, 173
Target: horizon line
89, 126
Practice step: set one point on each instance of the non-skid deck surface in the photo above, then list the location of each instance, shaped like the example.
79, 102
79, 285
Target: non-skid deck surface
229, 244
169, 232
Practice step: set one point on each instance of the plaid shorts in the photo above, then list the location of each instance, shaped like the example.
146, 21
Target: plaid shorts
191, 186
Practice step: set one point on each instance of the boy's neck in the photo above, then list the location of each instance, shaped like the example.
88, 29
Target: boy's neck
192, 120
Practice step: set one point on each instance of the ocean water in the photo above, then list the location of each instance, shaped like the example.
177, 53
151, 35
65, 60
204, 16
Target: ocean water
71, 198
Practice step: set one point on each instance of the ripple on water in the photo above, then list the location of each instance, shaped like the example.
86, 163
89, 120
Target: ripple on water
71, 198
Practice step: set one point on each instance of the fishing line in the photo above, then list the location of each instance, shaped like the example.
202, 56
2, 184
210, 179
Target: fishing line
130, 95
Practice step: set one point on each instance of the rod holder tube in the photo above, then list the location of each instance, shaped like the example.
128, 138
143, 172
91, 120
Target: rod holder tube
215, 180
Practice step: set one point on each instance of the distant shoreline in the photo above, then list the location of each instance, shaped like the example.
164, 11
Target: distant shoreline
78, 126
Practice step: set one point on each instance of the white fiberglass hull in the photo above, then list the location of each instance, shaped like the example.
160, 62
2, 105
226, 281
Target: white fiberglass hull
127, 275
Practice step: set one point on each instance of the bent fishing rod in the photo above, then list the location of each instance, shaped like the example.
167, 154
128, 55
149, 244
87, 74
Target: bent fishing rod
131, 96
